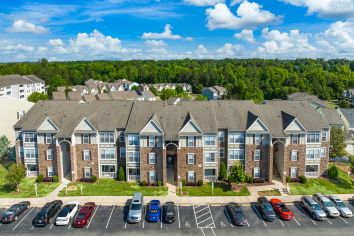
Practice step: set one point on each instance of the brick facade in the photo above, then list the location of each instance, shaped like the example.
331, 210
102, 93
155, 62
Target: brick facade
145, 166
81, 163
299, 163
182, 162
265, 163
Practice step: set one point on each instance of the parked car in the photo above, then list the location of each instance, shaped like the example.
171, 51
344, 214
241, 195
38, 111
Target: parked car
14, 212
341, 206
135, 208
84, 215
313, 208
169, 212
235, 213
153, 212
47, 213
326, 205
266, 209
67, 213
281, 209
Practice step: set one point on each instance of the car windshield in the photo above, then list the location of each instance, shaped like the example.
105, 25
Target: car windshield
268, 207
283, 207
9, 212
41, 215
64, 212
341, 204
81, 216
328, 204
135, 207
316, 207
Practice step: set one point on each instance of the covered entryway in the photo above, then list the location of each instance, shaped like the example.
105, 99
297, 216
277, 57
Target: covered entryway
65, 160
171, 163
278, 160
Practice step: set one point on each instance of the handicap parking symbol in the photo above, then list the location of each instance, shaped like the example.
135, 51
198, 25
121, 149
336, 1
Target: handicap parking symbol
222, 224
187, 224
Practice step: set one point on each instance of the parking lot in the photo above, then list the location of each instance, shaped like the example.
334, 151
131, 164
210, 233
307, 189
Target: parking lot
202, 220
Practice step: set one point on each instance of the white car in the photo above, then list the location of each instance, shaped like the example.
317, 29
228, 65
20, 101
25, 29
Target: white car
67, 213
341, 206
326, 205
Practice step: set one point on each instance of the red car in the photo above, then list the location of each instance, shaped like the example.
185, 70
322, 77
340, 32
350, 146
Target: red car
281, 209
84, 215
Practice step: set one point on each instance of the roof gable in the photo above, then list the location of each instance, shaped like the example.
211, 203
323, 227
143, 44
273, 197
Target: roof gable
48, 125
258, 125
295, 126
85, 125
153, 126
190, 126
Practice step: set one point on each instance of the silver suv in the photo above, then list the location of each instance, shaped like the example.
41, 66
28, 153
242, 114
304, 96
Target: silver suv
135, 208
313, 208
326, 205
341, 206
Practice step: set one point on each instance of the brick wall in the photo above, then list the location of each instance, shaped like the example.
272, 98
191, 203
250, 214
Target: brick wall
80, 163
145, 167
43, 163
182, 162
265, 164
301, 159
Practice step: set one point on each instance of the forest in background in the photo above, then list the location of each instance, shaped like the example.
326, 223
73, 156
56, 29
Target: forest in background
255, 79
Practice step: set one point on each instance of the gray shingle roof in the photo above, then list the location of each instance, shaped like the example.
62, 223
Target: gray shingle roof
59, 96
8, 80
349, 115
331, 116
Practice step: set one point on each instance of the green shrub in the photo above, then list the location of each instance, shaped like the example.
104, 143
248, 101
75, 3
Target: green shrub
333, 172
55, 178
200, 183
121, 174
40, 178
93, 178
288, 179
223, 171
303, 179
159, 183
183, 182
143, 183
250, 180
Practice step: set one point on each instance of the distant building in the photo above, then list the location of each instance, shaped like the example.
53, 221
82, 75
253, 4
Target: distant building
349, 94
185, 87
332, 117
214, 92
20, 86
312, 99
14, 109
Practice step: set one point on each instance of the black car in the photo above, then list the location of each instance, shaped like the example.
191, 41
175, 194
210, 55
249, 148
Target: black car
266, 209
169, 212
47, 213
14, 212
235, 213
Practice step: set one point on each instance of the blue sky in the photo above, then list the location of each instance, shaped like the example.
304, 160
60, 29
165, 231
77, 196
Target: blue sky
171, 29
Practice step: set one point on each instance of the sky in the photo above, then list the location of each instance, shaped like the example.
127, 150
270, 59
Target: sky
67, 30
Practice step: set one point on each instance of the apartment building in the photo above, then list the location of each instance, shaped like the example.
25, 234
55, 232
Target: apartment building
20, 86
157, 141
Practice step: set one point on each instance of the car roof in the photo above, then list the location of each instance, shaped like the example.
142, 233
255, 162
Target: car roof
263, 200
310, 199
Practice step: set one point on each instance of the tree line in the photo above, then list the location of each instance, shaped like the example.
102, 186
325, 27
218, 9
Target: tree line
256, 79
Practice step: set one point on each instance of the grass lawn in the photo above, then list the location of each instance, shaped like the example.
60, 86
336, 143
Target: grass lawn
271, 192
343, 185
111, 187
220, 189
26, 186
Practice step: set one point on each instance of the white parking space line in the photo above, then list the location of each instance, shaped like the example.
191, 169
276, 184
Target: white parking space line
281, 223
143, 223
23, 219
343, 220
109, 218
88, 225
51, 226
202, 231
211, 217
198, 223
329, 221
179, 222
125, 225
161, 214
32, 227
202, 215
313, 222
228, 218
212, 230
201, 210
247, 223
255, 208
54, 219
297, 222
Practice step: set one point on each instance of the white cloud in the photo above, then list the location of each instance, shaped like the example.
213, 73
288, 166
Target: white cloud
166, 34
249, 15
21, 26
188, 39
12, 47
235, 2
203, 3
245, 35
326, 8
201, 50
155, 43
229, 50
58, 46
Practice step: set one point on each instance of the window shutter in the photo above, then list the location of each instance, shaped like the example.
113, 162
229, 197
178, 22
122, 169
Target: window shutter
195, 141
156, 140
18, 115
148, 141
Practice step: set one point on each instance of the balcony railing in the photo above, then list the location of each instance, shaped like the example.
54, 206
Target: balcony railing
133, 177
210, 178
312, 174
108, 174
32, 173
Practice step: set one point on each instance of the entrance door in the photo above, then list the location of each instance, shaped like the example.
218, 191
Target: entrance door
171, 163
66, 160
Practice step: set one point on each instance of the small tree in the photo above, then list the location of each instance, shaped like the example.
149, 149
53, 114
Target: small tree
4, 146
223, 171
179, 89
36, 96
200, 97
135, 88
15, 174
121, 174
154, 91
237, 173
337, 145
333, 172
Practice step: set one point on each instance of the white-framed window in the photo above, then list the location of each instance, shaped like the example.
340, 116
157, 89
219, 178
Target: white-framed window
87, 172
257, 155
133, 140
106, 137
313, 137
50, 171
152, 176
86, 155
323, 152
324, 136
49, 154
294, 155
236, 138
221, 153
151, 141
236, 154
256, 172
31, 153
209, 140
191, 158
133, 156
190, 141
107, 153
30, 137
257, 139
20, 114
108, 169
191, 176
312, 153
86, 138
221, 136
294, 139
122, 152
48, 138
209, 157
152, 158
293, 172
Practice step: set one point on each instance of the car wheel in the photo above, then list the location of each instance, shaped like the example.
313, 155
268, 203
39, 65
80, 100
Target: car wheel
314, 216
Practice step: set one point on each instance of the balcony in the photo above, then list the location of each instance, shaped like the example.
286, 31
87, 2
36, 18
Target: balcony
108, 174
133, 177
32, 173
210, 178
312, 174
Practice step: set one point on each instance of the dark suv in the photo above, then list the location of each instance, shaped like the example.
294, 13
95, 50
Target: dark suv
266, 209
47, 213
